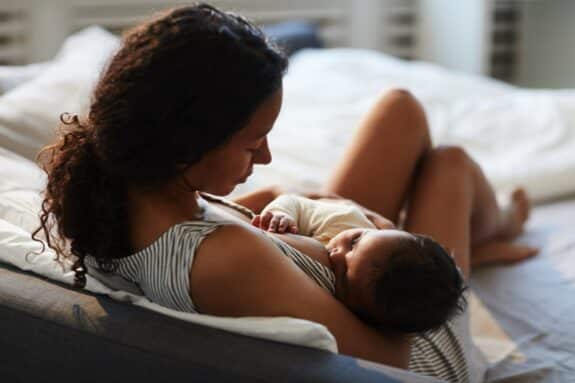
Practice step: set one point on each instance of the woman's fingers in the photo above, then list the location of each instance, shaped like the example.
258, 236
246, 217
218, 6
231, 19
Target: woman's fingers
319, 195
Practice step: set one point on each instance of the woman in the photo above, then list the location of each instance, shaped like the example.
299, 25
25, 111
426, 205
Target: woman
184, 109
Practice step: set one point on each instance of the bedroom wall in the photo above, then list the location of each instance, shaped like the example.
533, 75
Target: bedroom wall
455, 34
547, 54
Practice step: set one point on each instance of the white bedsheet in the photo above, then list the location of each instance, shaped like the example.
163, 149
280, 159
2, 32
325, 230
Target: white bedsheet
519, 136
534, 302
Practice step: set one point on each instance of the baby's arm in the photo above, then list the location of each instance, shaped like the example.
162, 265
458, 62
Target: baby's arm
280, 215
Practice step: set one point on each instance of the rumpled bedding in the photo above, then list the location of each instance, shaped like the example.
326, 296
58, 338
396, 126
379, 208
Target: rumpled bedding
519, 136
534, 302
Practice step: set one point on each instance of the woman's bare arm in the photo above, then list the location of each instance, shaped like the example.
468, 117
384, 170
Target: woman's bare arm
258, 199
256, 279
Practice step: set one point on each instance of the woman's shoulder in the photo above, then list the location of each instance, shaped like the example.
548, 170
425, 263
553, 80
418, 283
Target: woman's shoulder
229, 260
175, 233
229, 239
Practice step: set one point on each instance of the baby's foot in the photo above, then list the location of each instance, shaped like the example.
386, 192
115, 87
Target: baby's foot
515, 214
501, 252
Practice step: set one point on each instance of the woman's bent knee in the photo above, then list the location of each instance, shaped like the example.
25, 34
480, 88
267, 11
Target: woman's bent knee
450, 159
399, 109
398, 97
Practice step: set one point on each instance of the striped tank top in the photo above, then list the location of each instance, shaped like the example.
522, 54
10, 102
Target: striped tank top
161, 272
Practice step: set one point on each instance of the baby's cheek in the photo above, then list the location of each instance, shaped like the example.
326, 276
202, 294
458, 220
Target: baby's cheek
339, 294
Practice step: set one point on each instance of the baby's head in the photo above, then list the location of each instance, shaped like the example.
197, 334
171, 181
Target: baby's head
396, 280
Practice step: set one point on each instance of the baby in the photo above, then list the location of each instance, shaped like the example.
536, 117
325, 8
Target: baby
390, 278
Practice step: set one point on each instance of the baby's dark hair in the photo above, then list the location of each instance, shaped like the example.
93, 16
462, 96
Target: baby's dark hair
417, 287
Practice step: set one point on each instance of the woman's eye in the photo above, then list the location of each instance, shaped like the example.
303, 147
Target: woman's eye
355, 240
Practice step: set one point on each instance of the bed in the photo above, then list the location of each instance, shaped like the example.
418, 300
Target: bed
523, 316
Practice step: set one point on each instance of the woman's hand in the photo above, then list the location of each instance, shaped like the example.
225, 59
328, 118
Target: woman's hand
275, 222
280, 189
321, 195
377, 219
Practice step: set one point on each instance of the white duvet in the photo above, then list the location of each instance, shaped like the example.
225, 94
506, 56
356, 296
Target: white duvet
519, 136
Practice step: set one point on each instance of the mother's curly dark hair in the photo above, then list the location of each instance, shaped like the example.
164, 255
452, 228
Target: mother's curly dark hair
179, 86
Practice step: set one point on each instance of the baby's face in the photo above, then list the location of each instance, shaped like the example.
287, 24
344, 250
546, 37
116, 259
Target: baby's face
354, 255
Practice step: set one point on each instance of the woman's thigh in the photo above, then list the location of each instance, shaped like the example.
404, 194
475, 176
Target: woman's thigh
379, 164
441, 205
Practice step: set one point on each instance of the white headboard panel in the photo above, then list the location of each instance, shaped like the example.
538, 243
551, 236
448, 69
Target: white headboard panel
13, 25
330, 16
32, 30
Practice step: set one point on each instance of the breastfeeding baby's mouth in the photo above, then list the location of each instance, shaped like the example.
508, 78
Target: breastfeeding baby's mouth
329, 256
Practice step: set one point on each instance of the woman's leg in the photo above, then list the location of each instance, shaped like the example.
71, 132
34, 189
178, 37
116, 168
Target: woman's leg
442, 202
379, 165
453, 202
488, 220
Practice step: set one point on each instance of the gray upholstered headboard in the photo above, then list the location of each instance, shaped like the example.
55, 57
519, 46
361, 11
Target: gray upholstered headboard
33, 30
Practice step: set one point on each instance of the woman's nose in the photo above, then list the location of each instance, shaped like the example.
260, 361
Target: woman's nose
263, 155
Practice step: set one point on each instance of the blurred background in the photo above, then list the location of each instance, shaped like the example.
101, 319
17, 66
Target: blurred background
527, 42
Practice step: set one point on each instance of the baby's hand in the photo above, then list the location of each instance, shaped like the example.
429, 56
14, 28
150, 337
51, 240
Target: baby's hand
275, 222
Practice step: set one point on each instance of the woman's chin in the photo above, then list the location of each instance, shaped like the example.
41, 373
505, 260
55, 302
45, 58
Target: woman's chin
222, 190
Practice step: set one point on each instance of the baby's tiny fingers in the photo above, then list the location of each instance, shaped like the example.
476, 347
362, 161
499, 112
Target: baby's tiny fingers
256, 220
273, 224
265, 220
283, 224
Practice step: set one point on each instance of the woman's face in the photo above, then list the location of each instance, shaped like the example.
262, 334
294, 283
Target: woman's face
222, 169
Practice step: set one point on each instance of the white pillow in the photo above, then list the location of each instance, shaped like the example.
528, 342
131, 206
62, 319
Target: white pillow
20, 184
21, 208
17, 248
12, 76
29, 114
19, 173
16, 243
